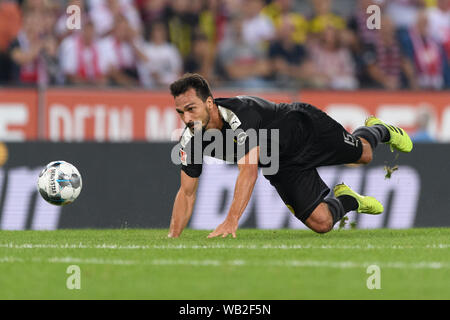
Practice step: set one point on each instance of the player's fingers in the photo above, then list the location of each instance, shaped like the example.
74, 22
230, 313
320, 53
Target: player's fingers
234, 234
225, 235
212, 235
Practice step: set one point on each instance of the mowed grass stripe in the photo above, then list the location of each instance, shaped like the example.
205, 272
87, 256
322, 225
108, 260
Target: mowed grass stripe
216, 246
240, 262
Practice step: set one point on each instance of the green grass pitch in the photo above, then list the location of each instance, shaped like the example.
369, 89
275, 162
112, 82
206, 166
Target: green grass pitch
258, 264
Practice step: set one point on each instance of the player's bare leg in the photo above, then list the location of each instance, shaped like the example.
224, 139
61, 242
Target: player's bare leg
367, 153
320, 220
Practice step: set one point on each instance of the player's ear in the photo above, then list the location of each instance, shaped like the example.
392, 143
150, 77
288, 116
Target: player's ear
209, 102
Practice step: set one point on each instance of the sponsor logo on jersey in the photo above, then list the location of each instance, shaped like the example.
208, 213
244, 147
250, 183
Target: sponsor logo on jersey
241, 138
183, 157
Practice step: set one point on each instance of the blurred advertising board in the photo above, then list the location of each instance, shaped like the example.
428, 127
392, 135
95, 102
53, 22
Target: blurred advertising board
401, 109
18, 115
151, 116
118, 115
115, 116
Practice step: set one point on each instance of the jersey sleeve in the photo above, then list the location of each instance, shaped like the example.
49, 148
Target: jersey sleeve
247, 134
191, 165
245, 114
245, 121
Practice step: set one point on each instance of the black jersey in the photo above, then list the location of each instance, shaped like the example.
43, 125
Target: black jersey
242, 113
308, 138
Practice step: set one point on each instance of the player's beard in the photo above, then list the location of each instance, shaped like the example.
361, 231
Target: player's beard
208, 117
199, 125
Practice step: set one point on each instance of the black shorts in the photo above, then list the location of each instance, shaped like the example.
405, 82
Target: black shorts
298, 183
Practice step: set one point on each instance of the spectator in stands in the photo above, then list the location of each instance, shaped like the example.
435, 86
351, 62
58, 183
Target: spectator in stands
439, 24
360, 36
288, 59
84, 58
439, 29
384, 61
244, 64
124, 53
9, 28
103, 14
51, 58
182, 25
425, 54
422, 133
201, 59
232, 7
164, 64
358, 22
257, 29
212, 22
324, 17
197, 28
195, 7
152, 10
33, 6
9, 22
31, 51
333, 64
403, 13
278, 9
61, 29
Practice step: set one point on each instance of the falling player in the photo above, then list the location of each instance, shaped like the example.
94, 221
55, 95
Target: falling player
308, 139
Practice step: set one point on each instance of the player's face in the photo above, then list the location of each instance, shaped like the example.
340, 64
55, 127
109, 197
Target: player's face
192, 110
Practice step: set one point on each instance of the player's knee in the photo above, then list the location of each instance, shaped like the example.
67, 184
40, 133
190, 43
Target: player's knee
320, 220
323, 227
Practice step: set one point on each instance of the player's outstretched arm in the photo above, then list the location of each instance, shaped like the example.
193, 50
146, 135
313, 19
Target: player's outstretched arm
248, 174
183, 205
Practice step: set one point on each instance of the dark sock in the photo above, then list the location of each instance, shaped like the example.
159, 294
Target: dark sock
348, 202
340, 206
373, 135
336, 209
384, 132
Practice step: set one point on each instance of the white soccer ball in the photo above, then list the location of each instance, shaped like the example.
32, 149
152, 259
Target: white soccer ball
59, 183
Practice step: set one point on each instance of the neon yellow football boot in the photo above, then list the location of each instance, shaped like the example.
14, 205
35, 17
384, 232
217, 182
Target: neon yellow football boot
399, 138
366, 204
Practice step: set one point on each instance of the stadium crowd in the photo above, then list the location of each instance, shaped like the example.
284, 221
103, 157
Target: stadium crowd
238, 43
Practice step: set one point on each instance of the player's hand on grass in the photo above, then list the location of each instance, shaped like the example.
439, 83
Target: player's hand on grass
224, 229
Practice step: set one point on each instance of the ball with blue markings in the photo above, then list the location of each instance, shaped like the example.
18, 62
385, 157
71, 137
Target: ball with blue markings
59, 183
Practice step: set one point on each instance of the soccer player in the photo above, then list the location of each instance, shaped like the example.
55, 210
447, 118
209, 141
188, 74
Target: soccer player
308, 138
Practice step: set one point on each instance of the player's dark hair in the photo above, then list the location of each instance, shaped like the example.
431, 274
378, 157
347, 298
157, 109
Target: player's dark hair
194, 81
